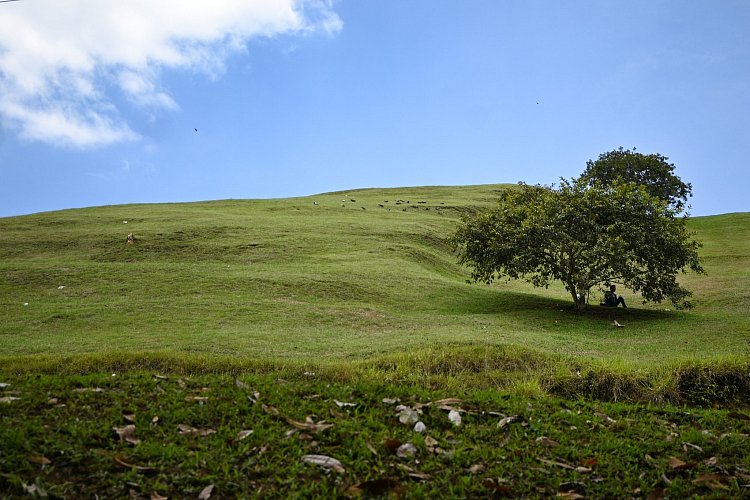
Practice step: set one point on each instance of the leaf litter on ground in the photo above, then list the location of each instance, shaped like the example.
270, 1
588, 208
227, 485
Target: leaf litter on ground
127, 434
493, 462
325, 462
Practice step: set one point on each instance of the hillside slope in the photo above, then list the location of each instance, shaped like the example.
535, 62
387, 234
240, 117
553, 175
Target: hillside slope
336, 276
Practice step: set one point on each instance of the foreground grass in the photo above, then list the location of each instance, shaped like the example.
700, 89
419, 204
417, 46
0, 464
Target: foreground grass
360, 292
67, 436
456, 367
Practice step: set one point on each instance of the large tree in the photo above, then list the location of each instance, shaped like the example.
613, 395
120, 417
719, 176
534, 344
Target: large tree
650, 170
584, 233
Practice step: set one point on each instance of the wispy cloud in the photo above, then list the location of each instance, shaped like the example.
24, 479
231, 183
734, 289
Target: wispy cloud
61, 63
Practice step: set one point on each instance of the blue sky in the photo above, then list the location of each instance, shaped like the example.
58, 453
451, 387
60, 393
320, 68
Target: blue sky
301, 97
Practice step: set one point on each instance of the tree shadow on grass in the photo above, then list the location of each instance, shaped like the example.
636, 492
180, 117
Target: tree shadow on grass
533, 306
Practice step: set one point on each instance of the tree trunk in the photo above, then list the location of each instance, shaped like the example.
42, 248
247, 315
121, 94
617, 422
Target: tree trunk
579, 298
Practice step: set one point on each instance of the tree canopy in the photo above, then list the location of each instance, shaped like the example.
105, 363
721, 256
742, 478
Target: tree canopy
652, 171
584, 233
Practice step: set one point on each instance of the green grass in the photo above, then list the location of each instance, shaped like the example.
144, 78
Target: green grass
316, 299
59, 437
310, 279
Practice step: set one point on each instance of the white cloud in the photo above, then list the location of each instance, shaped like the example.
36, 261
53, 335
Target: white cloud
62, 62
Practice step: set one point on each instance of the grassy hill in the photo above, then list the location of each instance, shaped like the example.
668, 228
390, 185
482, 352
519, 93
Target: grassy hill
336, 276
235, 340
329, 278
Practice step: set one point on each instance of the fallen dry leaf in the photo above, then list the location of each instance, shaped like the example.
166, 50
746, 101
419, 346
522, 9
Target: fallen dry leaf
156, 496
513, 419
336, 414
737, 416
446, 401
125, 462
88, 389
310, 425
271, 410
205, 493
605, 417
35, 458
544, 440
569, 494
8, 399
199, 399
677, 464
3, 385
129, 417
558, 464
711, 461
324, 461
430, 441
712, 481
391, 444
420, 476
187, 429
391, 401
341, 404
371, 447
127, 434
686, 445
243, 434
476, 469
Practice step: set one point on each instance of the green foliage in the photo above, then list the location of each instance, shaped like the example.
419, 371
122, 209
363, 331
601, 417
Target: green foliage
585, 233
652, 171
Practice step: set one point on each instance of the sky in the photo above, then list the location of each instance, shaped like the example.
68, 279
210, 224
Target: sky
135, 101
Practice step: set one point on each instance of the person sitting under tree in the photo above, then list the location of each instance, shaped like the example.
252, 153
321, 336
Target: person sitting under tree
611, 299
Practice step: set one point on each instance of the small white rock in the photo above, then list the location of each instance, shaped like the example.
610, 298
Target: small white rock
25, 304
406, 450
419, 427
124, 222
454, 417
61, 287
407, 416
